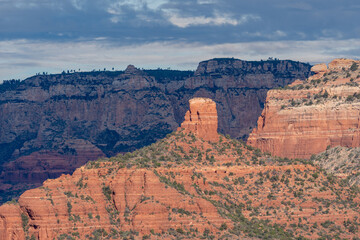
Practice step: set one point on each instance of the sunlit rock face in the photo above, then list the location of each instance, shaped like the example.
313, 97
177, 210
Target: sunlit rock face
307, 118
202, 119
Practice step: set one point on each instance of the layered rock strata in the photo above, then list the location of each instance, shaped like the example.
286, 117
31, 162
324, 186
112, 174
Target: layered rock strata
185, 187
55, 123
202, 119
307, 118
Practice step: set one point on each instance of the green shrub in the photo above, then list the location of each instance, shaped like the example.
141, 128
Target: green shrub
223, 227
350, 98
25, 221
69, 194
181, 211
354, 67
327, 223
107, 192
100, 233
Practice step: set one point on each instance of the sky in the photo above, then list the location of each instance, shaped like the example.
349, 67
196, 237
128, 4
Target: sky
56, 35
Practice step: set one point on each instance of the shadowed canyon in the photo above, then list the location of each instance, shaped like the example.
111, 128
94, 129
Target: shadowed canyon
52, 124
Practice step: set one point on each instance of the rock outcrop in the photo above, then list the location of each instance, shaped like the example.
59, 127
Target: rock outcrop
185, 187
341, 162
80, 116
341, 64
319, 70
202, 119
305, 119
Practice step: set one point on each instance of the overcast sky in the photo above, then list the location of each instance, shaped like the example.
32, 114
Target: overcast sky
55, 35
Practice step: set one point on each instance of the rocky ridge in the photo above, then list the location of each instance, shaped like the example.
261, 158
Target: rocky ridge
52, 124
306, 118
341, 162
186, 187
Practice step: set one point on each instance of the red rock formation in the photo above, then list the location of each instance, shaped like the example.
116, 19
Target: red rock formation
319, 70
341, 64
306, 119
179, 195
11, 223
41, 165
117, 112
202, 119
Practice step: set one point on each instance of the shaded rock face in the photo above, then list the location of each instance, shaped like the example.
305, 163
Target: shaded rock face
342, 162
305, 119
82, 116
202, 119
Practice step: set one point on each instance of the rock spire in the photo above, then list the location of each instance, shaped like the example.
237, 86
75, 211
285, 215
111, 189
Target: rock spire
201, 119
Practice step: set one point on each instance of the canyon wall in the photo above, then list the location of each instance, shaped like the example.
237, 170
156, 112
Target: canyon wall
186, 187
307, 118
51, 124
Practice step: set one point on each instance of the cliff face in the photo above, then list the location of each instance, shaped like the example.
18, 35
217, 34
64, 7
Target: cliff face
306, 118
186, 187
52, 124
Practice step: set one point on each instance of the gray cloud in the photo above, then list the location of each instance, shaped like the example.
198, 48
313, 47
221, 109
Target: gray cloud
207, 21
48, 35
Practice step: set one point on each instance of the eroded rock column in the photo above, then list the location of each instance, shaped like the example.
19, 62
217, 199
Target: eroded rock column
202, 119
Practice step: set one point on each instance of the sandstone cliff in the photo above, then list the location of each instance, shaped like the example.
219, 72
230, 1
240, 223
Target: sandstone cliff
186, 187
305, 118
202, 119
51, 124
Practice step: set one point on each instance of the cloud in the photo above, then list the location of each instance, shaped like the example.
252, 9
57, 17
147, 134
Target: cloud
23, 58
95, 34
278, 34
78, 4
217, 20
205, 21
206, 1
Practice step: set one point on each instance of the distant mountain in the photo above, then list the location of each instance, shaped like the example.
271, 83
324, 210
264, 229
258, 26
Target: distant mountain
52, 124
